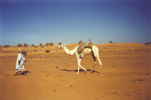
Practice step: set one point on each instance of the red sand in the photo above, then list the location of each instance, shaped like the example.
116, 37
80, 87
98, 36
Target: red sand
125, 74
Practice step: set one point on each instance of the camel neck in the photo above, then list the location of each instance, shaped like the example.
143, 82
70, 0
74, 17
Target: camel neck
69, 52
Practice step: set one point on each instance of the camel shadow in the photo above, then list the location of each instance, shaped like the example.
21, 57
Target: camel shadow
81, 70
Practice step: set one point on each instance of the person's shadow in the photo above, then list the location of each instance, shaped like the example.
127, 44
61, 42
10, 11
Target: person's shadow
22, 73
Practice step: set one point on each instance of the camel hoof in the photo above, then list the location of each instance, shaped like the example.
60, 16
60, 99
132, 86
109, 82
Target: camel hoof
85, 69
77, 73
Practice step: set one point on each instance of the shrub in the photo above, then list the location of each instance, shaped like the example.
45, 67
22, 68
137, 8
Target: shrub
47, 44
35, 50
32, 45
52, 44
24, 53
6, 46
41, 45
26, 45
19, 45
147, 43
47, 51
110, 42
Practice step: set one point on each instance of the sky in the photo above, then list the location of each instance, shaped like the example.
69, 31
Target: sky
69, 21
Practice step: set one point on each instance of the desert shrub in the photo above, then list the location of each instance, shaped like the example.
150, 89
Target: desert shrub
47, 44
19, 45
147, 43
52, 44
47, 51
32, 45
26, 45
41, 45
24, 52
110, 42
6, 46
35, 50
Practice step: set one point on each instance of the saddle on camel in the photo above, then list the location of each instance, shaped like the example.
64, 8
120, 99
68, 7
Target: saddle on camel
82, 46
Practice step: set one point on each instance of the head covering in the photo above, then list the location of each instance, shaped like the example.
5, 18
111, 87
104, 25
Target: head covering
19, 50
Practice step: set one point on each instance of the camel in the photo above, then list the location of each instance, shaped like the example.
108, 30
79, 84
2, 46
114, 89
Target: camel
94, 51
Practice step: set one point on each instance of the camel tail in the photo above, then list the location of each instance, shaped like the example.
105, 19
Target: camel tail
99, 60
96, 54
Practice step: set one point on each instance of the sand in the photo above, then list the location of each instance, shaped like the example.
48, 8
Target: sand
125, 74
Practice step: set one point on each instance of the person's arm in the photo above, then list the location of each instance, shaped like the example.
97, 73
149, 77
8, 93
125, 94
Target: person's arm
25, 61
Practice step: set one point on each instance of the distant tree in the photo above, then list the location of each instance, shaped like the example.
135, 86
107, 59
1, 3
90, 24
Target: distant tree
41, 45
25, 45
32, 45
110, 42
147, 43
6, 46
19, 45
47, 44
52, 44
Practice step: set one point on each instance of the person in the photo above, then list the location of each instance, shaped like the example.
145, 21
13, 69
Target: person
20, 63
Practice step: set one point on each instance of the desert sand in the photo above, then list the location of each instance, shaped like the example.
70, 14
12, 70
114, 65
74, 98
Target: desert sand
125, 74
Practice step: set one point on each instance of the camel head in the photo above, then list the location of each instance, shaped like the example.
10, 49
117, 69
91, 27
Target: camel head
61, 45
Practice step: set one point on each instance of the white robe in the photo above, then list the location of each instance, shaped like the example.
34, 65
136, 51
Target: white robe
21, 59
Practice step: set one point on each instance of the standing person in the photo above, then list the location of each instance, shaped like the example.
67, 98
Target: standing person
20, 62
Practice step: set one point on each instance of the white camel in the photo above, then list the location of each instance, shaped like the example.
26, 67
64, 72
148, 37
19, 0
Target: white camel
94, 51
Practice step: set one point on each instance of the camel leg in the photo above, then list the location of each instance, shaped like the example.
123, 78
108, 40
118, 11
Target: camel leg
78, 69
94, 58
79, 65
93, 67
99, 63
96, 55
